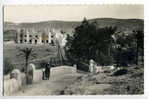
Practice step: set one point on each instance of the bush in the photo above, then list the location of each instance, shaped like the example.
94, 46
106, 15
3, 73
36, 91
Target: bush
120, 72
8, 66
105, 60
83, 66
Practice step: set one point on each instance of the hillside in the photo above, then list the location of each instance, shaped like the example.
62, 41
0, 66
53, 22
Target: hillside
63, 25
124, 25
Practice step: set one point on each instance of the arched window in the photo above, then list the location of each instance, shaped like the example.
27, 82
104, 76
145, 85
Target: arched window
21, 41
30, 41
36, 36
35, 41
42, 41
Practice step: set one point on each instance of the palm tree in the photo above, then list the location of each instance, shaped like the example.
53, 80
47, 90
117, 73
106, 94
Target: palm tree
110, 31
27, 53
139, 37
117, 46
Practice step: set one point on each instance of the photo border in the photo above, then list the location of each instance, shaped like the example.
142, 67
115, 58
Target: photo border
82, 2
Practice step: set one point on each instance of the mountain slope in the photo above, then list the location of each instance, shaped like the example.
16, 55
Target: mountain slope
123, 25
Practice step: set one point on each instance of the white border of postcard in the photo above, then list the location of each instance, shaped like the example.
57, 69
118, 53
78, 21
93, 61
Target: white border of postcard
43, 2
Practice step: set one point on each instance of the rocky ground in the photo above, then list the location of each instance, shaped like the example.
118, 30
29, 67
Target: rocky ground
130, 81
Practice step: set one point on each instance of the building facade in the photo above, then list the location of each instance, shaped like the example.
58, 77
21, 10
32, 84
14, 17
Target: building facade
31, 36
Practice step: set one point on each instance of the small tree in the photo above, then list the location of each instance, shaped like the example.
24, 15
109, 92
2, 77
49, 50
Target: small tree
26, 53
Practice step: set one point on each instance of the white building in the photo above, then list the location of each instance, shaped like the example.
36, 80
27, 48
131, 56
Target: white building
44, 36
32, 36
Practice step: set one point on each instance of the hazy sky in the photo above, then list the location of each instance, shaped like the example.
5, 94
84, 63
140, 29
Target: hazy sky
37, 13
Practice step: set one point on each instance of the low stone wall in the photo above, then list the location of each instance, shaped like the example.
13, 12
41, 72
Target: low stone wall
62, 69
16, 80
13, 85
37, 75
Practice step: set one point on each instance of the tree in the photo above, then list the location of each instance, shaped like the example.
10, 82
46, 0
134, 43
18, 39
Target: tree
68, 48
104, 44
129, 47
109, 40
139, 39
27, 53
82, 40
91, 42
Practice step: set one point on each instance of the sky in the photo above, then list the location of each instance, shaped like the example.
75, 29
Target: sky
36, 13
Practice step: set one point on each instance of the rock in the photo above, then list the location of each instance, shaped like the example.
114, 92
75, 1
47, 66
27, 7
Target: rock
15, 74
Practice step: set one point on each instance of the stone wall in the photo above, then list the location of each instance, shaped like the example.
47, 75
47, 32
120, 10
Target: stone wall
37, 76
16, 80
13, 84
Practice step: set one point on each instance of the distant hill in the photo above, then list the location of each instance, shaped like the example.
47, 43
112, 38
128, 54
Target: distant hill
62, 25
123, 25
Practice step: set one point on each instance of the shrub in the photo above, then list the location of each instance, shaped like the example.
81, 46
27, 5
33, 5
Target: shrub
8, 66
120, 72
105, 60
83, 66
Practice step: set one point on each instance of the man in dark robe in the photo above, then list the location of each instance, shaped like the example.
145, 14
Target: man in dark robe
47, 71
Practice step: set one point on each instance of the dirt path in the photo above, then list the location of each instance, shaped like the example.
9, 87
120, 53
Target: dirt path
58, 81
